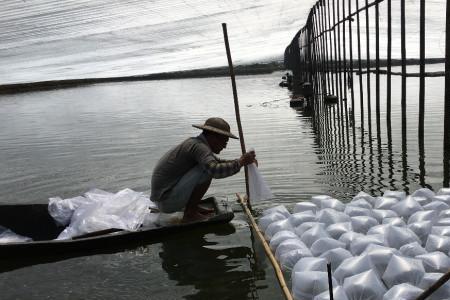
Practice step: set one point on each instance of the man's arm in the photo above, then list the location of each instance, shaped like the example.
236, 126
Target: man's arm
220, 168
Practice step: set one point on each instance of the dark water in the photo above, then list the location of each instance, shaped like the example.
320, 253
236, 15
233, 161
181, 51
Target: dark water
109, 136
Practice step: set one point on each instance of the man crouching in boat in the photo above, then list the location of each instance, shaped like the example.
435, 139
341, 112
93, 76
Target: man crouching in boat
183, 175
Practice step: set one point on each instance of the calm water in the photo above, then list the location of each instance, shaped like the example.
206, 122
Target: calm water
109, 136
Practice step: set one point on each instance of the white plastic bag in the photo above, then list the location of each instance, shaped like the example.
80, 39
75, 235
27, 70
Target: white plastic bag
351, 266
348, 237
421, 229
412, 249
317, 200
362, 203
316, 232
8, 236
358, 245
290, 258
124, 210
279, 209
438, 243
332, 203
62, 209
277, 226
399, 195
280, 237
365, 196
424, 192
310, 264
435, 262
300, 229
436, 205
307, 285
440, 230
305, 206
385, 202
396, 237
424, 215
444, 191
441, 293
338, 294
336, 256
322, 245
338, 229
407, 207
331, 216
258, 188
380, 256
299, 218
381, 214
362, 224
403, 270
395, 221
288, 245
403, 291
268, 219
364, 286
354, 211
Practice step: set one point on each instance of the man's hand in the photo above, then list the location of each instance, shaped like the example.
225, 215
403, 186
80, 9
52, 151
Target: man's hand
247, 158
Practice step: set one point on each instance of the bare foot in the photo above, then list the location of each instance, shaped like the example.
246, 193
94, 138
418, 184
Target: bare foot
205, 210
190, 217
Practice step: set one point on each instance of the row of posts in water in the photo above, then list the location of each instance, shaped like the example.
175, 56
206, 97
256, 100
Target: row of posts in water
322, 53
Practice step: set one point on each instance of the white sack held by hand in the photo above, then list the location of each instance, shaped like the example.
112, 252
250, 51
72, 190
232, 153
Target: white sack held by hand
258, 188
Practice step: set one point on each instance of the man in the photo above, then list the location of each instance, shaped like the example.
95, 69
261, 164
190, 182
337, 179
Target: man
183, 175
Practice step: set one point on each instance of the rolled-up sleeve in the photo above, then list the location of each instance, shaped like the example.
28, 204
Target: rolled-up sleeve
222, 168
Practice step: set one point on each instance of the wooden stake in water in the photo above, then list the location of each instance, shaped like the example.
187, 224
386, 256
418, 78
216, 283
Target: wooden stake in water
236, 106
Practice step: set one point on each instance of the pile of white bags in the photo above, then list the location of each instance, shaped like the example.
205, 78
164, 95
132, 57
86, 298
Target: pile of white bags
389, 247
99, 210
8, 236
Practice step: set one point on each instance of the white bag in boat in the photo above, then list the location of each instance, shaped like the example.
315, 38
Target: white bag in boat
412, 249
307, 285
395, 221
124, 210
380, 256
396, 237
424, 192
266, 220
336, 256
438, 243
338, 294
316, 232
305, 206
322, 245
428, 280
62, 209
288, 245
407, 207
8, 236
362, 224
365, 196
338, 229
403, 270
362, 203
421, 229
276, 227
425, 215
399, 195
310, 264
299, 218
353, 211
351, 266
381, 214
364, 286
258, 188
300, 229
348, 237
332, 203
403, 291
290, 258
280, 237
279, 209
331, 216
435, 262
358, 245
385, 202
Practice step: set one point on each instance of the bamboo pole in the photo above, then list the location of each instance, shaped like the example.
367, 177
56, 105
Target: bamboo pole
434, 287
272, 259
236, 106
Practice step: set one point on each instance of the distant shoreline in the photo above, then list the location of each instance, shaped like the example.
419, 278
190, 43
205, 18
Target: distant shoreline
259, 68
251, 69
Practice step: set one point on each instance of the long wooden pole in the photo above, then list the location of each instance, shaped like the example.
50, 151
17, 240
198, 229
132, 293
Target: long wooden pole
272, 259
236, 105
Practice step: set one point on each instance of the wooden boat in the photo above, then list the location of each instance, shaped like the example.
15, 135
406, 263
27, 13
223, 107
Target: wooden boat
33, 220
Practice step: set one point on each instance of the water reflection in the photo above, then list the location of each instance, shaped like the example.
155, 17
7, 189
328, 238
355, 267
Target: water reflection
211, 267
